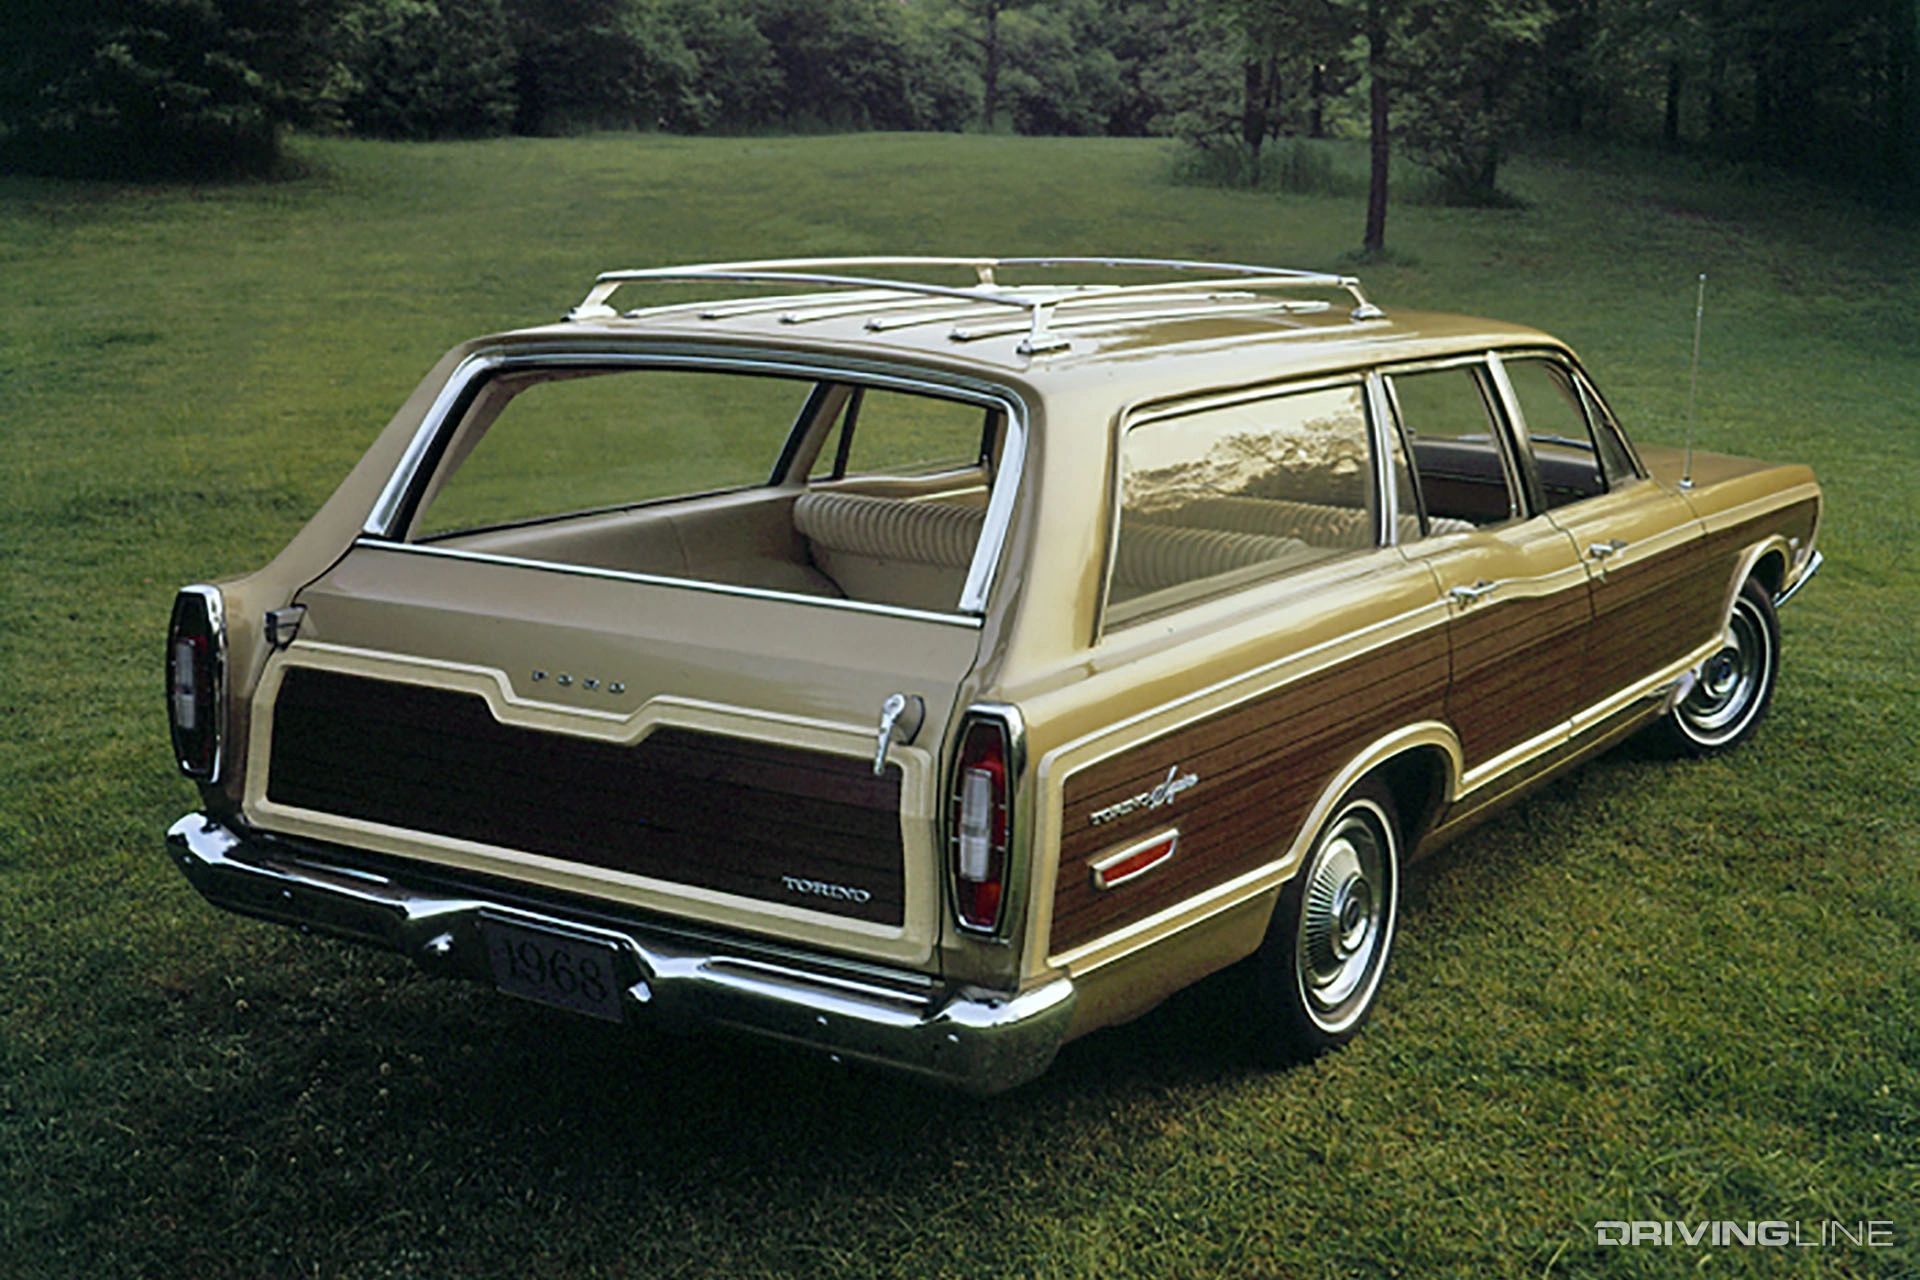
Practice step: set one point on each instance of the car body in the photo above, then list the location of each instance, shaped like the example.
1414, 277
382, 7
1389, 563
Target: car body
932, 674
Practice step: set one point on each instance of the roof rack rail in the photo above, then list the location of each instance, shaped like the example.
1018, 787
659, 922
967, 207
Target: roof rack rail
987, 291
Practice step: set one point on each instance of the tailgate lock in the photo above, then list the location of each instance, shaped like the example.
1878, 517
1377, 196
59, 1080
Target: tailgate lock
900, 716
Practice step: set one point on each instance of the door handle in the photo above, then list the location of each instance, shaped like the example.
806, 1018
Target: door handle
1601, 550
1476, 592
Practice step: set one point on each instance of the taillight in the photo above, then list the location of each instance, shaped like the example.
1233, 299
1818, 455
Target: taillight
981, 822
196, 678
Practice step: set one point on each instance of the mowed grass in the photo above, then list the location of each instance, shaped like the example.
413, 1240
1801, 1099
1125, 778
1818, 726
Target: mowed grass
1655, 990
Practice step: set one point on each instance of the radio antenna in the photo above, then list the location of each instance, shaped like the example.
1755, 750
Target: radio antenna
1693, 379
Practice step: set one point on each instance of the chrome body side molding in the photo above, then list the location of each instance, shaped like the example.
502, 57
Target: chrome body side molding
1813, 567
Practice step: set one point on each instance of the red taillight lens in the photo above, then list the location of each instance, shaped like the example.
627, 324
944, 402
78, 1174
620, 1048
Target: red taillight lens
196, 670
981, 819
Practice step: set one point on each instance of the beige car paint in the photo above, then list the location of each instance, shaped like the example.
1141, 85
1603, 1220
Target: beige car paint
1083, 696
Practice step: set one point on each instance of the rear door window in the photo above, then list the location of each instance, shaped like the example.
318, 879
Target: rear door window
1459, 461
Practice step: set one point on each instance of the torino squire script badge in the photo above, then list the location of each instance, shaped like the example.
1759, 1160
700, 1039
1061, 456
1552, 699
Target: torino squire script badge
1174, 783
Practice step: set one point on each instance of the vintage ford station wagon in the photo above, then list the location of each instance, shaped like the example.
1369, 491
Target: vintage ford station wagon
929, 674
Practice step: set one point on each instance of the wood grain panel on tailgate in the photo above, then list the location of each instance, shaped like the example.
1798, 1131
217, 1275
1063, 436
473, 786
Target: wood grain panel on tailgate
682, 806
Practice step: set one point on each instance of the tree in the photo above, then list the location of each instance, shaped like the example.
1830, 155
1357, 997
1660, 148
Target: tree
1465, 71
1273, 54
425, 68
988, 40
596, 63
1060, 78
158, 88
1373, 241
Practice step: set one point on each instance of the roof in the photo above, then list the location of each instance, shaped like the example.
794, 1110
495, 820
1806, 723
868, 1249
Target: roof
1226, 322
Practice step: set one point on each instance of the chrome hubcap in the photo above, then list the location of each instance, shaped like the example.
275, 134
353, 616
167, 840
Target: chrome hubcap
1345, 917
1730, 684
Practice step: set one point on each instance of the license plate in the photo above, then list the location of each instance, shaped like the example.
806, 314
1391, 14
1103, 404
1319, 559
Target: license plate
554, 968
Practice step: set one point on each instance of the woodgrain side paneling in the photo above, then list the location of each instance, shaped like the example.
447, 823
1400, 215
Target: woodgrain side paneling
681, 806
1517, 670
1260, 766
1654, 611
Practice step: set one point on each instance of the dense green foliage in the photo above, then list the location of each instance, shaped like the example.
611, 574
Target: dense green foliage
1655, 989
157, 87
132, 86
424, 68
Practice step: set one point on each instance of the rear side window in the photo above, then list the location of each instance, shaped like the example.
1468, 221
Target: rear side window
900, 433
1222, 497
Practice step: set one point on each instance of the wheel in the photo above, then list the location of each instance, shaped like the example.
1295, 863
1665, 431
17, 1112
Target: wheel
1735, 686
1326, 949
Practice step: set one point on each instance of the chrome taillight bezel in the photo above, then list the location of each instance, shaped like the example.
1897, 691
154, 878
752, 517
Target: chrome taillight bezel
1005, 723
199, 611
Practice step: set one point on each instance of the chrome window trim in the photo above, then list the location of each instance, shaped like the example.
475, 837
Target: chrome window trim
386, 508
1525, 467
1600, 415
407, 474
972, 621
1597, 419
1603, 419
1386, 524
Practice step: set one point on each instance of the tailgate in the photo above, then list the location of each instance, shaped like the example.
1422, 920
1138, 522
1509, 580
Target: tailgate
704, 754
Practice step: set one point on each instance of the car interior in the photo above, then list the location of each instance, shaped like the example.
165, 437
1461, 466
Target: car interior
882, 498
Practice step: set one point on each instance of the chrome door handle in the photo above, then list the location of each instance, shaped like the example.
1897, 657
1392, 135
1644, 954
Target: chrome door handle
1468, 595
1601, 550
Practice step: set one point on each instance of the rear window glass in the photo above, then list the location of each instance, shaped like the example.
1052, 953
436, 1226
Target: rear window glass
557, 442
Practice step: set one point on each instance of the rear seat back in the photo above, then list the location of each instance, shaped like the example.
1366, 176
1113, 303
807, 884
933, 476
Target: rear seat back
891, 550
1317, 524
916, 553
1153, 556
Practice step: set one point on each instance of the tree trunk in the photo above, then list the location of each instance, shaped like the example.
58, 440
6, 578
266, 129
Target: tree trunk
1901, 118
1670, 130
1253, 115
1716, 77
1317, 122
1376, 237
990, 73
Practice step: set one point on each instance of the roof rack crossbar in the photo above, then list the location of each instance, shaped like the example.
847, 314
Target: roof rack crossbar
1103, 296
987, 291
1284, 306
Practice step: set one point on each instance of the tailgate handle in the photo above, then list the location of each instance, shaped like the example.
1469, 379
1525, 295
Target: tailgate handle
900, 716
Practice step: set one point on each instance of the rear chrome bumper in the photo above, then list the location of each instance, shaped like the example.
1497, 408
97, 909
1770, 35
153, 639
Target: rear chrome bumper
1813, 567
977, 1041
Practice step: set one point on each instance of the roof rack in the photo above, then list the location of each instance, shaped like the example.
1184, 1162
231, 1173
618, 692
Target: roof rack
1041, 303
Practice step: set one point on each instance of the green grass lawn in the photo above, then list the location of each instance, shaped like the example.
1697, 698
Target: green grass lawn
1655, 990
